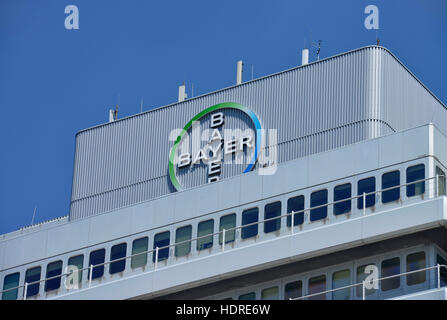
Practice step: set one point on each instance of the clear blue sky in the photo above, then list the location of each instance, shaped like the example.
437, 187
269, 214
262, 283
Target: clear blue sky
55, 82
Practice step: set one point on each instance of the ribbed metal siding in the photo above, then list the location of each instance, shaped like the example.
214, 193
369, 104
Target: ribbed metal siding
338, 101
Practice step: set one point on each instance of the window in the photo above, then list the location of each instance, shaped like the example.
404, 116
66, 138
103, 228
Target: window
272, 210
443, 270
54, 269
361, 276
228, 222
318, 198
341, 279
390, 267
249, 216
415, 173
293, 290
11, 281
317, 284
97, 257
161, 240
295, 204
118, 251
32, 275
341, 192
204, 228
270, 294
416, 261
183, 234
389, 180
139, 252
248, 296
441, 181
78, 262
366, 186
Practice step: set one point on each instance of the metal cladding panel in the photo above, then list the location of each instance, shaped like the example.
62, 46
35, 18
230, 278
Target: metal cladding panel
358, 95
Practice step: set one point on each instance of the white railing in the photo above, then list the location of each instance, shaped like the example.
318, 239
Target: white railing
372, 283
306, 212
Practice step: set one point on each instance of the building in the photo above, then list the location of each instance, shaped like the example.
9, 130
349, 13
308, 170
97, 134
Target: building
312, 183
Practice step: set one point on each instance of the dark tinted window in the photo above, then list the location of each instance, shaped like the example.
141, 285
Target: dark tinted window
415, 173
205, 228
139, 252
228, 222
10, 281
318, 198
390, 267
54, 269
295, 204
97, 258
249, 216
293, 290
78, 262
272, 210
161, 240
317, 284
183, 236
366, 186
32, 275
416, 261
389, 180
118, 251
248, 296
341, 192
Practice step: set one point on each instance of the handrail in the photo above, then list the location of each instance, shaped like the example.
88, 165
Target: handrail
438, 266
292, 214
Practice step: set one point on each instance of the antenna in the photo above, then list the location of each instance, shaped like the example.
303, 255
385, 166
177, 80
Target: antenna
192, 89
34, 214
252, 70
317, 46
141, 105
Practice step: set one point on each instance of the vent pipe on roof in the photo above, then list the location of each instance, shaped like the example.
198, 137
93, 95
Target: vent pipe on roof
305, 57
182, 93
111, 115
239, 72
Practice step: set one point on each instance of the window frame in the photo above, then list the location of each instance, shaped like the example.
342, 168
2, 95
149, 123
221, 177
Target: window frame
163, 254
184, 244
298, 218
319, 211
411, 188
206, 239
139, 255
97, 272
388, 196
276, 223
55, 280
120, 264
343, 206
370, 199
247, 230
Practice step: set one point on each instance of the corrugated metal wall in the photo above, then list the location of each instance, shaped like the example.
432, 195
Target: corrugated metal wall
341, 100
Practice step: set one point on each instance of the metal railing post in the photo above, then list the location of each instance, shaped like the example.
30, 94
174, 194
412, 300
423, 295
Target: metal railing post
439, 275
25, 291
90, 276
156, 258
364, 203
293, 221
223, 240
363, 290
